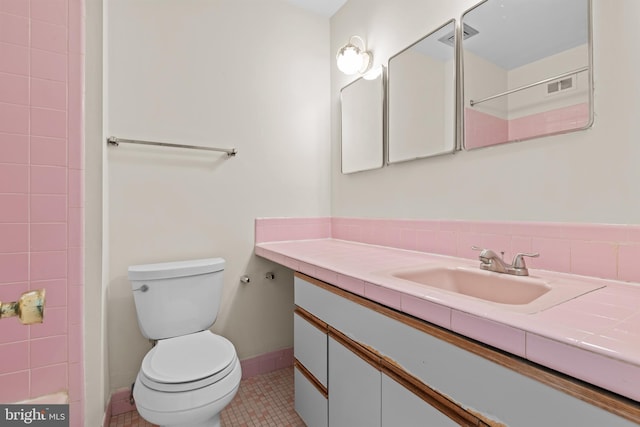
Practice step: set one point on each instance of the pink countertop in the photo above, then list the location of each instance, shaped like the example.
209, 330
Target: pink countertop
594, 337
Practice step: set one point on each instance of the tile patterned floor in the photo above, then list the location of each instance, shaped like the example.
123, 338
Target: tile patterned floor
262, 401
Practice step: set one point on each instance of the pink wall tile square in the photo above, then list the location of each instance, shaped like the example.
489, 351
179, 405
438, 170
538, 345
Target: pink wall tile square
11, 291
48, 94
54, 323
14, 268
48, 122
48, 208
48, 351
465, 242
15, 208
599, 232
49, 379
48, 65
47, 36
14, 357
628, 262
14, 118
492, 333
19, 389
14, 149
14, 29
447, 243
56, 292
48, 151
597, 259
13, 178
48, 265
11, 330
555, 255
15, 59
15, 7
14, 238
48, 237
54, 11
14, 89
48, 180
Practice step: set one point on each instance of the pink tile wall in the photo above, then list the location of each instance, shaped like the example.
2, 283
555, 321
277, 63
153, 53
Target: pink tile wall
482, 129
600, 250
41, 185
558, 120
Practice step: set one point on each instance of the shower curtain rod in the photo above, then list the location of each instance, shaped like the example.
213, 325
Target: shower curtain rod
518, 89
112, 140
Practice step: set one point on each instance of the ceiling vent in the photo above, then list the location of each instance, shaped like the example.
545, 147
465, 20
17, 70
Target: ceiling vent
467, 31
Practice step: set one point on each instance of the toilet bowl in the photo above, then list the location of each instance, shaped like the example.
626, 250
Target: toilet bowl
191, 374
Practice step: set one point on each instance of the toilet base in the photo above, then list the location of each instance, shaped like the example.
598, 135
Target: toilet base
169, 409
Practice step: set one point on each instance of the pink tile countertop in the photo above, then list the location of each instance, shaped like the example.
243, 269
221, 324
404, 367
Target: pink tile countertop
594, 337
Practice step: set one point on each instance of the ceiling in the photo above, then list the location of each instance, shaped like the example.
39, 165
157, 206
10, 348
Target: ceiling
321, 7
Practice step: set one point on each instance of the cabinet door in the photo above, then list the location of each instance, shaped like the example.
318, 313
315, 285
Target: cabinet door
310, 403
354, 389
310, 348
400, 407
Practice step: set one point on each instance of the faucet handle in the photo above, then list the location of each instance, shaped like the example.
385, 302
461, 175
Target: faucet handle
518, 260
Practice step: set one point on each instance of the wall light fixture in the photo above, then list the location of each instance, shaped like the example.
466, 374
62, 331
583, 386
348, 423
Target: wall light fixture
352, 59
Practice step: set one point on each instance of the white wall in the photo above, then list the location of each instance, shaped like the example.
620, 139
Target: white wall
250, 74
589, 176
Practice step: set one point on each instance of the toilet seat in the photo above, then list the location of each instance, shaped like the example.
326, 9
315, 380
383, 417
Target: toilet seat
188, 362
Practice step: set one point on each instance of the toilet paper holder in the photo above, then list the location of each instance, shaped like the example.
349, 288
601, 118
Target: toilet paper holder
29, 308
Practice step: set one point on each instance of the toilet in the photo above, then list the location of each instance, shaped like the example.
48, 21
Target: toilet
191, 374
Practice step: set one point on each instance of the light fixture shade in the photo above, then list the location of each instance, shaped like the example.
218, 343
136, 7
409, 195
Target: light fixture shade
351, 59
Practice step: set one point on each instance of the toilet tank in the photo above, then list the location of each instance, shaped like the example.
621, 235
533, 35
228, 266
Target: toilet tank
177, 298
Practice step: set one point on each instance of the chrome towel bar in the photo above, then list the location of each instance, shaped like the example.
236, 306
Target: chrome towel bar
112, 140
518, 89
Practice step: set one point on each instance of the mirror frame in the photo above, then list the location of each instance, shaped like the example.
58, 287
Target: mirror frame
383, 122
590, 90
456, 95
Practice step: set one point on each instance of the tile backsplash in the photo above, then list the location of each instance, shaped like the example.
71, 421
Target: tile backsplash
608, 251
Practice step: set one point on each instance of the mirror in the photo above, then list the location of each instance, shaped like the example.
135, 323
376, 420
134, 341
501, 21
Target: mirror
527, 70
362, 127
421, 94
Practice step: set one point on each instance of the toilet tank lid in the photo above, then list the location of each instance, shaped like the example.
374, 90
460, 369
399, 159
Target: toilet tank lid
167, 270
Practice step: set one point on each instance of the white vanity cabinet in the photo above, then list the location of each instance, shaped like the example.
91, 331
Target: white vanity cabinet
354, 399
385, 368
310, 378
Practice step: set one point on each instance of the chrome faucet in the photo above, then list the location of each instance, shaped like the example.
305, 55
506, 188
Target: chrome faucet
490, 261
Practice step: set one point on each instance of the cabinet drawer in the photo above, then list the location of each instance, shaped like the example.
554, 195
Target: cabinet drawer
310, 403
310, 347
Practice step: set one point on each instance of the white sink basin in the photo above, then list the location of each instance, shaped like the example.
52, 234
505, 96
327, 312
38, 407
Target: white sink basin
525, 294
500, 288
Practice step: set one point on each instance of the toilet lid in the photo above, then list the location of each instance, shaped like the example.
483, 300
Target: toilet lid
188, 358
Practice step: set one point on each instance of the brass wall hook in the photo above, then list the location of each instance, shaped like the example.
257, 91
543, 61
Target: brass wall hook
29, 308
